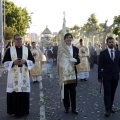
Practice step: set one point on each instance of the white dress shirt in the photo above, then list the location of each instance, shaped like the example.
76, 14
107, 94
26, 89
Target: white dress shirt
70, 49
109, 50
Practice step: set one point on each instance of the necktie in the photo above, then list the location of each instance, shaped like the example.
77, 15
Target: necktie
112, 54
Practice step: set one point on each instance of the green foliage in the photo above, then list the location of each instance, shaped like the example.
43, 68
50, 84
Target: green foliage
9, 33
116, 30
92, 24
17, 18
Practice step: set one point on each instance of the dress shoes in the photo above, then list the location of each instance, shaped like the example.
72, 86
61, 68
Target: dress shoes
107, 114
82, 80
17, 116
75, 112
85, 80
34, 82
66, 111
112, 111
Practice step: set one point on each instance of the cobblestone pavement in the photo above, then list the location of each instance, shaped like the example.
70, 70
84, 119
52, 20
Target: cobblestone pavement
89, 100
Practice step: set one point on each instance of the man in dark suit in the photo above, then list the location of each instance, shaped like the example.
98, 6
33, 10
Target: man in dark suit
67, 59
108, 73
55, 50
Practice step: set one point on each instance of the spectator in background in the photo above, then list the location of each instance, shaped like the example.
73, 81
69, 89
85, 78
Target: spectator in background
92, 54
55, 50
98, 50
50, 52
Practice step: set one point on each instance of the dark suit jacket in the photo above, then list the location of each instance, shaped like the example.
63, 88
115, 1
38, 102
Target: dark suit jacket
55, 50
107, 68
76, 56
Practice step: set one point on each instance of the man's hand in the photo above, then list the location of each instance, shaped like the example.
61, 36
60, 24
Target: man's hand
22, 61
73, 60
83, 51
34, 54
100, 80
17, 62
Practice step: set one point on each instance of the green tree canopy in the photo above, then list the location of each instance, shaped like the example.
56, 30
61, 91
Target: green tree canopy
91, 25
116, 30
16, 19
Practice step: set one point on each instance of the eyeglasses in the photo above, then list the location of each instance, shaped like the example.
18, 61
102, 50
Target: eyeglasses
18, 39
68, 37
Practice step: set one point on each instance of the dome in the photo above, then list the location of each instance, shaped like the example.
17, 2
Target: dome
46, 31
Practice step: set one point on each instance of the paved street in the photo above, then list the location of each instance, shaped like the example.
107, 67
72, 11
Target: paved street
44, 99
89, 100
34, 102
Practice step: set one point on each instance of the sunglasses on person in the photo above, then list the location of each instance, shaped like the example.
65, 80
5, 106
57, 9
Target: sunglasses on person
18, 39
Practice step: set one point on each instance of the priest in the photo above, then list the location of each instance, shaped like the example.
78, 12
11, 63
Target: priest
18, 60
83, 67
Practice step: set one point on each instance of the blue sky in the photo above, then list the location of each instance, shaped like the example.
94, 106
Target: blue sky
50, 12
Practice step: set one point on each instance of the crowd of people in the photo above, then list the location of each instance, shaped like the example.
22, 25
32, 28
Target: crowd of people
73, 64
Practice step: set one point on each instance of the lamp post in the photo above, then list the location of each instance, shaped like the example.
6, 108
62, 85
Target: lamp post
1, 32
29, 26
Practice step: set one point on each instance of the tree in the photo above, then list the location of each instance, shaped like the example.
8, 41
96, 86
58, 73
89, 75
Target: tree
92, 25
90, 28
76, 32
9, 33
116, 30
17, 19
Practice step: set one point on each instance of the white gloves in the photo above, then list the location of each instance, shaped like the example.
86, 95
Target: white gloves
73, 60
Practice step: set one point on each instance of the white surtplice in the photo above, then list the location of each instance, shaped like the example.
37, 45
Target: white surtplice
16, 73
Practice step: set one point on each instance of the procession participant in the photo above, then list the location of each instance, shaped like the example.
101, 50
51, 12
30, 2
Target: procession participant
35, 72
18, 60
66, 62
83, 67
108, 73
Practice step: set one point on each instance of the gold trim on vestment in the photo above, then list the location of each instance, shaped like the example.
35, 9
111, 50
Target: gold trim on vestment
69, 82
23, 69
66, 68
37, 69
84, 63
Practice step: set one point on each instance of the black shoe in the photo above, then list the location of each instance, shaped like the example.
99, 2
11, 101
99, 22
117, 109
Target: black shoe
75, 112
34, 82
107, 114
112, 111
17, 116
66, 111
81, 80
85, 79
